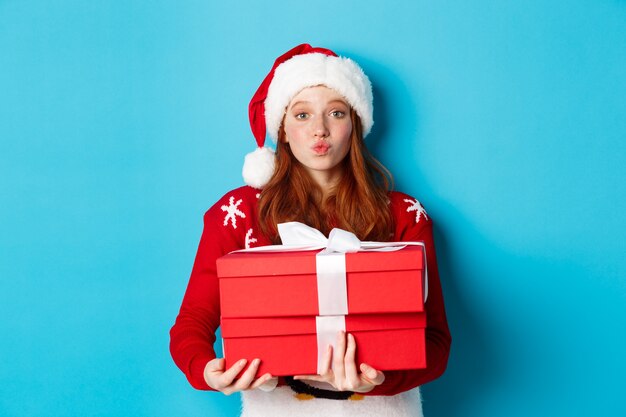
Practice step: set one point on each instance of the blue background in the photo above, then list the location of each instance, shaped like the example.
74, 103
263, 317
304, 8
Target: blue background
121, 122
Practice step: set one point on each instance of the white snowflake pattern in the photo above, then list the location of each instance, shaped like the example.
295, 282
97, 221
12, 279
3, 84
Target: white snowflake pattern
258, 195
232, 212
249, 239
415, 206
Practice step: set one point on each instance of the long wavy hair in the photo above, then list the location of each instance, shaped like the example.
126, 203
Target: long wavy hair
358, 203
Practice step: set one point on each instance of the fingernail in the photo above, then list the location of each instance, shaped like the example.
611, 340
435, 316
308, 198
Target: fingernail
256, 362
242, 362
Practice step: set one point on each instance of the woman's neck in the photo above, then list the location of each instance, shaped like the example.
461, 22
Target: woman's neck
326, 180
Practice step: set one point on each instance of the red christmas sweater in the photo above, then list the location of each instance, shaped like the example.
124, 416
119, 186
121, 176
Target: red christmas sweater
232, 224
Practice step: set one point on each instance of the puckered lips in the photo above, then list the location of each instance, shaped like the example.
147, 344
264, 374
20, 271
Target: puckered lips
320, 148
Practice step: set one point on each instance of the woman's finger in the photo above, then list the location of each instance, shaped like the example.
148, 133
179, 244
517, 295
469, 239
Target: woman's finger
304, 376
372, 375
351, 374
262, 381
214, 365
326, 361
228, 376
338, 357
212, 371
318, 378
325, 372
247, 377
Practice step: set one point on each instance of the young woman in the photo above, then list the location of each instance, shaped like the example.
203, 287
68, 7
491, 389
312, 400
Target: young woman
318, 107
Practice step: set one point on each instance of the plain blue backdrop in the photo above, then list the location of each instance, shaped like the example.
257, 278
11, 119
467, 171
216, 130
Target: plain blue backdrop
121, 122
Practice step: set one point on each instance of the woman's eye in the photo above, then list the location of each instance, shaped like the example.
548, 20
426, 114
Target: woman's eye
338, 114
302, 116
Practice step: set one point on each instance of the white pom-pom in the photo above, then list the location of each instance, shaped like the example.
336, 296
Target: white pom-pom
258, 167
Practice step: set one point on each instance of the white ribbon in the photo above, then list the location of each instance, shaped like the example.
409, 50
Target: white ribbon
332, 288
326, 329
332, 295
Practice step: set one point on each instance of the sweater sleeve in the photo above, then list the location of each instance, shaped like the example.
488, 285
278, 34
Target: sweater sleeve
193, 334
438, 338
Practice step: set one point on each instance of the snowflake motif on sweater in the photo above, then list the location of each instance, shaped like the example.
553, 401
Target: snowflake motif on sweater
415, 206
250, 239
232, 212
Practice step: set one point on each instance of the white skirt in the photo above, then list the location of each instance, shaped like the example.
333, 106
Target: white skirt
283, 402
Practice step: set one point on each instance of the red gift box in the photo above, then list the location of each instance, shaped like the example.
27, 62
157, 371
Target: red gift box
288, 345
269, 305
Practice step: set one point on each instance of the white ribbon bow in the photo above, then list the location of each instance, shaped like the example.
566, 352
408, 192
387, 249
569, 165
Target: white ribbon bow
298, 236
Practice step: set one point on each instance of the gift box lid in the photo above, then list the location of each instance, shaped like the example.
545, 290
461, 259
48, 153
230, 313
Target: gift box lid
289, 326
282, 284
253, 264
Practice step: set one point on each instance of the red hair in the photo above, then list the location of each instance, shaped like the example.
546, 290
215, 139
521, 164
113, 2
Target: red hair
358, 203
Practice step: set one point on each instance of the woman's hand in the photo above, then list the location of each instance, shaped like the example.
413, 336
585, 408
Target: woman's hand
224, 381
343, 374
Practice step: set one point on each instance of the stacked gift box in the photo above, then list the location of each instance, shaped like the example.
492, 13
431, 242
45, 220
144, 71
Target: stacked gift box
286, 307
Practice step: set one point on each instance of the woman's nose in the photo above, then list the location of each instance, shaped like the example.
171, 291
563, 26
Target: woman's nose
320, 130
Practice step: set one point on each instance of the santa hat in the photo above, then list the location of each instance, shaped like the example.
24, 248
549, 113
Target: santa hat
301, 67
